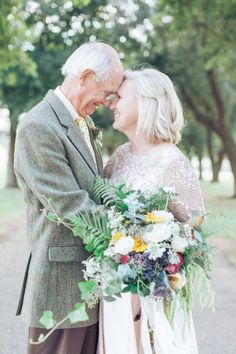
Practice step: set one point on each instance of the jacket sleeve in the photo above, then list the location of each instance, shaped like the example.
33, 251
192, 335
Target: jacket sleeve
41, 162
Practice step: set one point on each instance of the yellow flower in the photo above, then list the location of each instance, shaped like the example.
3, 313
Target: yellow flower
117, 235
139, 245
151, 217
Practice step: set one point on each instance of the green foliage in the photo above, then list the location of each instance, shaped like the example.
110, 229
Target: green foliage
47, 320
41, 338
196, 282
78, 314
114, 287
158, 200
193, 142
111, 138
94, 231
201, 257
111, 194
12, 34
52, 217
221, 220
105, 189
81, 3
87, 288
200, 283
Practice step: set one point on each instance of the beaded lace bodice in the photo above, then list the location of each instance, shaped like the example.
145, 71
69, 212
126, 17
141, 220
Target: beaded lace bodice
166, 166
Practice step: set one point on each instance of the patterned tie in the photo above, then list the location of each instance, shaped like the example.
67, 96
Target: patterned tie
81, 122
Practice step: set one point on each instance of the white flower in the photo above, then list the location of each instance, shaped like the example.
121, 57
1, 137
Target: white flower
109, 252
92, 266
179, 243
175, 229
124, 245
173, 257
155, 251
168, 189
167, 216
159, 233
114, 218
187, 230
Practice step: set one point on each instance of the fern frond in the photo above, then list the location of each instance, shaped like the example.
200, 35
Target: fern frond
93, 229
105, 189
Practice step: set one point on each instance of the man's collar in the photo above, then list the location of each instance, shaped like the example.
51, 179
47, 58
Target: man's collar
69, 106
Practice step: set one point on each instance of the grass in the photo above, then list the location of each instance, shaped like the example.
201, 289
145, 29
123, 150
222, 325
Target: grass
218, 202
221, 208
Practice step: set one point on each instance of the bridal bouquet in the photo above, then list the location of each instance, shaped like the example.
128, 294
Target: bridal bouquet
138, 246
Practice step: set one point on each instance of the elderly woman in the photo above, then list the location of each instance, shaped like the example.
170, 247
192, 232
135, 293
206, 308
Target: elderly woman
148, 111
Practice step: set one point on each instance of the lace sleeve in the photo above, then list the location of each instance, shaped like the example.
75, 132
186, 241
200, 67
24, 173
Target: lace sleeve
181, 175
112, 162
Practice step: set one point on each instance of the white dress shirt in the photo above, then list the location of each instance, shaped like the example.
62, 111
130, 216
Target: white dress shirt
69, 106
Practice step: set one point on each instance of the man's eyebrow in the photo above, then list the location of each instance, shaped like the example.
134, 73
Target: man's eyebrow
112, 92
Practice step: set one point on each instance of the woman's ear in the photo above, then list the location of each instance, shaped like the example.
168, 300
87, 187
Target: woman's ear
85, 76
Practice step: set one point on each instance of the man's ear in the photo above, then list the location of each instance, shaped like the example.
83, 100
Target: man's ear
85, 76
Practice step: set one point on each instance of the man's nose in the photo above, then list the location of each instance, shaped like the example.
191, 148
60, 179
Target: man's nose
113, 103
106, 103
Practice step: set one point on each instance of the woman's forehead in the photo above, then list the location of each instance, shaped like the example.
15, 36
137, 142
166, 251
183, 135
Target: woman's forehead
126, 85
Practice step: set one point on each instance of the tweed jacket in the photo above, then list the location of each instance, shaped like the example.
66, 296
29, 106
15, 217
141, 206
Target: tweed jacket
53, 162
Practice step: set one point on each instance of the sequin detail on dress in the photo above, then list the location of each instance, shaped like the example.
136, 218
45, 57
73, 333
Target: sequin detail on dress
167, 166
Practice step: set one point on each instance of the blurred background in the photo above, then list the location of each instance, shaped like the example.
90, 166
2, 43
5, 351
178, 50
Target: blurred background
191, 41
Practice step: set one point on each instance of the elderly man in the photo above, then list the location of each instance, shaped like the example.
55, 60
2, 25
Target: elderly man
56, 158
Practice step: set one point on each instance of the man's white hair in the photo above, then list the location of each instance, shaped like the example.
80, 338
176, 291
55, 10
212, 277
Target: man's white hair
160, 117
98, 57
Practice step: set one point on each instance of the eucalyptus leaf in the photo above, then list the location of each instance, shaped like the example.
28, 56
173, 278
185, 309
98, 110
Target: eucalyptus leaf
109, 298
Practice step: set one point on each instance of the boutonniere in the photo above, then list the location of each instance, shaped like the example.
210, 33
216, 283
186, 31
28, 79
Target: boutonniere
97, 132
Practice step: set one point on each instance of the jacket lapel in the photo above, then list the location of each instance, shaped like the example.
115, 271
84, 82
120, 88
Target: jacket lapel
97, 153
74, 133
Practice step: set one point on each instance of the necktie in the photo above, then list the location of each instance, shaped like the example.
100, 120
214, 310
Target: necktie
80, 121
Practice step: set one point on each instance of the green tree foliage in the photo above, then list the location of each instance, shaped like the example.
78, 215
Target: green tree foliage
195, 38
192, 41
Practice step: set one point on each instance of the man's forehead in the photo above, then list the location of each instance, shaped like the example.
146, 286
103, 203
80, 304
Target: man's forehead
116, 81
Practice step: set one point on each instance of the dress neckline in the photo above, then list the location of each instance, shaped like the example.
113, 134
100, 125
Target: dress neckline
158, 150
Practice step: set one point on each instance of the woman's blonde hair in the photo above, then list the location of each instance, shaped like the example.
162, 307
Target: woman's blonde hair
160, 116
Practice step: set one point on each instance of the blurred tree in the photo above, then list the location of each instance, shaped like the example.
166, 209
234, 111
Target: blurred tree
111, 140
14, 60
54, 31
12, 32
186, 39
17, 90
216, 154
194, 37
193, 142
198, 141
25, 81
